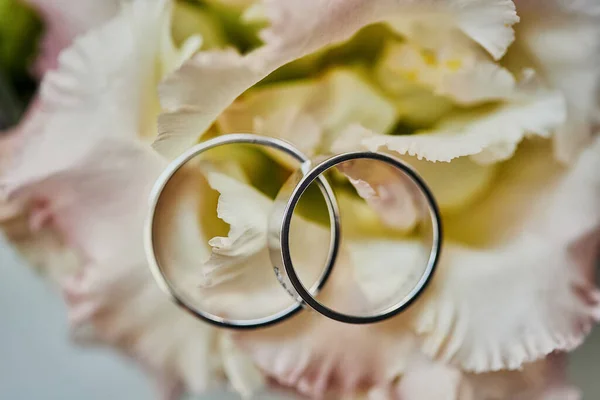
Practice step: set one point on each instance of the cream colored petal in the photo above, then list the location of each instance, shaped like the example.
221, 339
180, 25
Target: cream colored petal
195, 95
307, 353
389, 192
311, 114
237, 279
387, 270
562, 39
470, 181
83, 168
488, 134
416, 383
458, 184
103, 88
543, 380
461, 74
487, 23
416, 105
521, 284
99, 209
317, 356
63, 21
282, 111
244, 376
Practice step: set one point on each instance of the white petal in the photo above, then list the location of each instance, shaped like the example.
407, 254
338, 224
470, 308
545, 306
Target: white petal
317, 356
238, 279
487, 135
518, 289
461, 74
99, 208
195, 95
103, 88
470, 181
243, 375
63, 21
84, 169
543, 380
312, 113
386, 271
563, 40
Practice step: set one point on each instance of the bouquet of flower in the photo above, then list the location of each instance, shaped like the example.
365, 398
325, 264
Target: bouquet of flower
494, 102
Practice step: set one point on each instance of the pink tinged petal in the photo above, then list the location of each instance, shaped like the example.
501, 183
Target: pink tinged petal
434, 381
311, 113
449, 67
63, 21
518, 292
470, 179
101, 90
26, 224
306, 353
548, 33
542, 380
114, 293
195, 95
317, 356
83, 162
236, 279
387, 191
243, 375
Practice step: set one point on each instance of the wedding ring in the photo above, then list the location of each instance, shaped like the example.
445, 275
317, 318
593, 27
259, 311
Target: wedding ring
429, 225
150, 233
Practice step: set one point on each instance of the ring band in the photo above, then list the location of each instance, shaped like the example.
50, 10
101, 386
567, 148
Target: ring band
165, 177
280, 228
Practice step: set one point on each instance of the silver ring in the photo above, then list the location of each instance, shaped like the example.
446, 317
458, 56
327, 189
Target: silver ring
157, 269
280, 228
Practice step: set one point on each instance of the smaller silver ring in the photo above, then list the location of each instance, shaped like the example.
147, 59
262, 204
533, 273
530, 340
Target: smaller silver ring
164, 178
280, 228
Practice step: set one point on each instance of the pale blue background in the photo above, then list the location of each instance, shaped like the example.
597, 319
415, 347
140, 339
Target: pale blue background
37, 361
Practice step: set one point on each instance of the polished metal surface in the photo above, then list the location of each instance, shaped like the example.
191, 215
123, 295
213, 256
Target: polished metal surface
149, 232
280, 228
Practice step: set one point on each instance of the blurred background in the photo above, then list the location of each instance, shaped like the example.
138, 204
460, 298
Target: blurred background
18, 47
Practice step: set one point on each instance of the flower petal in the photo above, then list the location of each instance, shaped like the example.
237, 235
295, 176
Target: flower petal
470, 181
65, 20
543, 380
114, 292
317, 356
547, 34
242, 373
311, 114
488, 135
238, 280
195, 95
387, 191
88, 176
518, 290
102, 89
461, 74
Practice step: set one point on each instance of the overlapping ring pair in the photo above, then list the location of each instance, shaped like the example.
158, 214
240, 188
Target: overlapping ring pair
279, 232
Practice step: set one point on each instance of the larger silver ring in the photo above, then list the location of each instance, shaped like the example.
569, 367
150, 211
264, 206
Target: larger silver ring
164, 178
281, 220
